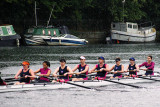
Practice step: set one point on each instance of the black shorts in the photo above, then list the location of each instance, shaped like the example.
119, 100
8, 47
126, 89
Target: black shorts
80, 76
132, 73
149, 73
117, 75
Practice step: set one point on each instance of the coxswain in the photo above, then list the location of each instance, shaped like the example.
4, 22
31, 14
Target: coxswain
2, 82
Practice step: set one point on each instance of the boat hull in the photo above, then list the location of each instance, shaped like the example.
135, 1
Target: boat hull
35, 40
51, 86
133, 38
64, 42
12, 40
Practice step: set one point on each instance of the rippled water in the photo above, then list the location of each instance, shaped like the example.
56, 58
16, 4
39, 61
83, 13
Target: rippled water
110, 96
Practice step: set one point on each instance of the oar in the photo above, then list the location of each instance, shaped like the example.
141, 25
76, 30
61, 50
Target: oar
134, 86
95, 71
151, 70
19, 78
147, 78
9, 78
82, 86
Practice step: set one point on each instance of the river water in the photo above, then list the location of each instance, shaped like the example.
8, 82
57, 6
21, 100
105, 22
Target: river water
121, 96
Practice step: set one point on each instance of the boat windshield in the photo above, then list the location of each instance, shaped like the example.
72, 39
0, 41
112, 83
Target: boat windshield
70, 36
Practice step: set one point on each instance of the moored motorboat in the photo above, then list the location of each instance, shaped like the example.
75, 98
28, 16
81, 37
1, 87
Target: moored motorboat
50, 35
132, 32
8, 37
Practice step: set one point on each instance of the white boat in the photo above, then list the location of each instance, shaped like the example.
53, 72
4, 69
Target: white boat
51, 86
132, 32
65, 39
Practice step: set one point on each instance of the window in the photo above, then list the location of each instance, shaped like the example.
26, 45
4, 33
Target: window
9, 30
129, 26
134, 26
1, 31
71, 36
114, 25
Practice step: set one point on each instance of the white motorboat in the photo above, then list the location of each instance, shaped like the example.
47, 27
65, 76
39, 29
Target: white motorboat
132, 32
65, 39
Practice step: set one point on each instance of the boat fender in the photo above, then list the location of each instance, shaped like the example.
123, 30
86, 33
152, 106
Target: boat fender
43, 32
49, 32
54, 32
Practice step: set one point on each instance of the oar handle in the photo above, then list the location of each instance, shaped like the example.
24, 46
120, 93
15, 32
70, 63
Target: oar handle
144, 68
95, 71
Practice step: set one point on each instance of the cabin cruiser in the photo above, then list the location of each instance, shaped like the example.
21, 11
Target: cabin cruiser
132, 32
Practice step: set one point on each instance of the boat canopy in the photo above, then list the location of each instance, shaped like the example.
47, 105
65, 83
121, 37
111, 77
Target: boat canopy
7, 30
44, 31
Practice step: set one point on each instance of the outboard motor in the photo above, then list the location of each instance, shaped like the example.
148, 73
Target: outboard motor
64, 30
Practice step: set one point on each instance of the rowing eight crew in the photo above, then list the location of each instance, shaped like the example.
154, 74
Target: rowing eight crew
26, 74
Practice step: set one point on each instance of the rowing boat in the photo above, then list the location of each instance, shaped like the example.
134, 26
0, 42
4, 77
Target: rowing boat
85, 83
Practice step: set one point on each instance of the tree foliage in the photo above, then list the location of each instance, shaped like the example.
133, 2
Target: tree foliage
104, 11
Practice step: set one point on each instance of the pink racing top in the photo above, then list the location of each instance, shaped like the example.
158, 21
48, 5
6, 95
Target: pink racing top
148, 66
44, 71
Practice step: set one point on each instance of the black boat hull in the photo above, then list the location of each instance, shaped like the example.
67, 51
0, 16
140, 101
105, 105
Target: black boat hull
9, 40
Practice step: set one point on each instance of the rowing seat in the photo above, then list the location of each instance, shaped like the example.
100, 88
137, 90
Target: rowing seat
101, 78
63, 80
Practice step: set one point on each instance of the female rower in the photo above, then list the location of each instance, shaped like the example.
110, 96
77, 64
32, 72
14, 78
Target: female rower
83, 69
45, 72
132, 68
118, 69
149, 66
26, 74
64, 72
101, 68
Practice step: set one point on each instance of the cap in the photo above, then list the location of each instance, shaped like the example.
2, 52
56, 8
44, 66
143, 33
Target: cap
101, 57
82, 57
117, 59
25, 63
62, 60
132, 59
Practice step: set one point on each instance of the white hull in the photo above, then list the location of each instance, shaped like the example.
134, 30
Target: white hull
36, 40
124, 36
52, 86
64, 41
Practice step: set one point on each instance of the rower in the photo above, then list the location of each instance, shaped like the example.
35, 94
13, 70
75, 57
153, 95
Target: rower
102, 69
2, 82
25, 74
45, 72
149, 66
118, 69
64, 72
83, 69
132, 68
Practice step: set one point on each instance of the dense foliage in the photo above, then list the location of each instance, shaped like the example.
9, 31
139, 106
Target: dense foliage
80, 14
